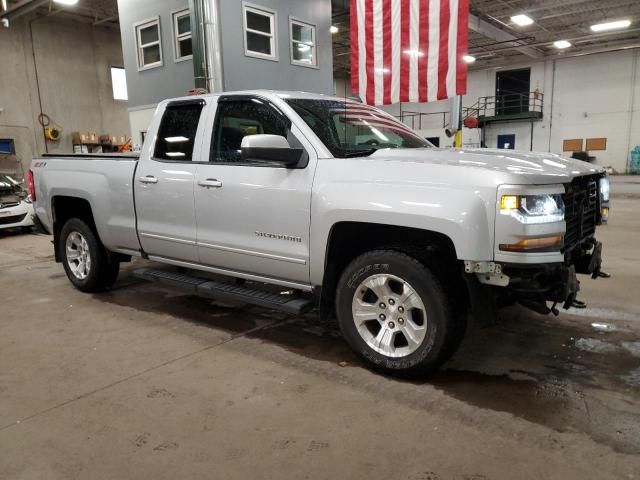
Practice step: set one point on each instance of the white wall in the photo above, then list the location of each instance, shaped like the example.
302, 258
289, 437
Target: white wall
73, 62
588, 96
139, 120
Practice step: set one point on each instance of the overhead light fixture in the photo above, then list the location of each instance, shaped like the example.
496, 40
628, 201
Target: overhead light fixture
66, 3
333, 29
561, 44
469, 58
603, 27
522, 20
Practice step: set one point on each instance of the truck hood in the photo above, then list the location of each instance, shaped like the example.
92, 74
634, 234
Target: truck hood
516, 166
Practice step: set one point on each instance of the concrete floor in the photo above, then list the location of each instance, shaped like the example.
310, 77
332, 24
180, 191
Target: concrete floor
144, 382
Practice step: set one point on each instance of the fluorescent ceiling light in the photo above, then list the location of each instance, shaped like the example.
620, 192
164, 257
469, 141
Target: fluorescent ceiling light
66, 2
469, 58
602, 27
333, 29
522, 20
175, 154
176, 139
561, 44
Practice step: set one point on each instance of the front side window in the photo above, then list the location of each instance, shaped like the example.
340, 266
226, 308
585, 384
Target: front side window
148, 43
177, 132
239, 118
303, 43
182, 35
351, 129
259, 32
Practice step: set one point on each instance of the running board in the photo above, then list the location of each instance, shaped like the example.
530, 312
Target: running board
225, 291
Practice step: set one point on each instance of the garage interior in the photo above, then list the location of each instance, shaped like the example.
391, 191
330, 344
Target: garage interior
146, 381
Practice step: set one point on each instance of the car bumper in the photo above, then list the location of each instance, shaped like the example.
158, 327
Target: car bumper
555, 282
15, 217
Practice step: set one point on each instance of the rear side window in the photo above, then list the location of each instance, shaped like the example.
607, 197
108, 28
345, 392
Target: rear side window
177, 132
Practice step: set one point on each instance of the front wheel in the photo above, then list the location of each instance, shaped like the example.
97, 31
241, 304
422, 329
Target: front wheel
393, 312
85, 259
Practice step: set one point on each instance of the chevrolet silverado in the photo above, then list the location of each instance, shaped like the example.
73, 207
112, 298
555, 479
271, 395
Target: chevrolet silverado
294, 201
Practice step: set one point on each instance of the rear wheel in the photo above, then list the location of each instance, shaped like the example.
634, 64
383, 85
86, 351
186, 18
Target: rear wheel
394, 313
85, 259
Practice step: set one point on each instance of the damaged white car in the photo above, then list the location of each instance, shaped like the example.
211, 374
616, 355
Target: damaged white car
16, 209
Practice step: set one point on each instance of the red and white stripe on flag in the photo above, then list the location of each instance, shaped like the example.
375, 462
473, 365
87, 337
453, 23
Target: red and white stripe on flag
408, 50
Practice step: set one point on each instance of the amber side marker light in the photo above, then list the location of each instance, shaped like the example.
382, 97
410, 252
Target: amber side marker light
544, 244
604, 214
509, 202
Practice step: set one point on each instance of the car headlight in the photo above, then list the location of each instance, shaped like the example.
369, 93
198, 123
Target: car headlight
604, 189
530, 209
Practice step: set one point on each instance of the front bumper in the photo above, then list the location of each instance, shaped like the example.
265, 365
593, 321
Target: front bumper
556, 282
15, 217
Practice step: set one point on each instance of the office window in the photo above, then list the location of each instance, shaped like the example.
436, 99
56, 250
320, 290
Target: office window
303, 43
182, 35
119, 83
259, 32
149, 45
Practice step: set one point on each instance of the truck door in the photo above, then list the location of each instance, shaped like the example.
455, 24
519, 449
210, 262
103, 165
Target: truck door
253, 218
164, 183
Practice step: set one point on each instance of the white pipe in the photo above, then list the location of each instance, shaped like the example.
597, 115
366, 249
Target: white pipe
632, 89
212, 46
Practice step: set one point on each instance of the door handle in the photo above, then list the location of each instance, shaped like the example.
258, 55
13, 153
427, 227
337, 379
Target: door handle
210, 182
148, 179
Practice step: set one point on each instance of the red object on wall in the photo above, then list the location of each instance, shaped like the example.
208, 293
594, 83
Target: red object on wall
471, 122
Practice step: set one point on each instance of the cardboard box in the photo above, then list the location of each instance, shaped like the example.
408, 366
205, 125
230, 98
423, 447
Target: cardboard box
118, 140
105, 138
78, 138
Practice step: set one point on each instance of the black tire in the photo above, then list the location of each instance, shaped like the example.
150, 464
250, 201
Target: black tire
444, 329
102, 273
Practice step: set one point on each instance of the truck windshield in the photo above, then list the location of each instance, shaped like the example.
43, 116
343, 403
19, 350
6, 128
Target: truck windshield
351, 129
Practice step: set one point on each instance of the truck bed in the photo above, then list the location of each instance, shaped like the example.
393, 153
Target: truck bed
105, 181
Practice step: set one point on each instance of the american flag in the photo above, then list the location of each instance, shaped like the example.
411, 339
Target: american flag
408, 50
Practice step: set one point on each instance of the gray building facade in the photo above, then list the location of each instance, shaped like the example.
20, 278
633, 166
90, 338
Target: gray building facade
272, 44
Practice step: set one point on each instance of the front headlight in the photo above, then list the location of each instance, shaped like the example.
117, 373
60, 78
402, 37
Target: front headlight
604, 189
533, 209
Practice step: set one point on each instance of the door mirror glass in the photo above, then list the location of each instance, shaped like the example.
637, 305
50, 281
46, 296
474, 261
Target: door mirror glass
270, 149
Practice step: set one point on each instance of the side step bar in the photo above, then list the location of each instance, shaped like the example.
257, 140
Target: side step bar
225, 291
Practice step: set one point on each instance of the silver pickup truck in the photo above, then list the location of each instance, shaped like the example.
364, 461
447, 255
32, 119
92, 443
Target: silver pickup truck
295, 201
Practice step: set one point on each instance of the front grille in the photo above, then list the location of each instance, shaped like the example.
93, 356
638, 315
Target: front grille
9, 200
12, 219
581, 210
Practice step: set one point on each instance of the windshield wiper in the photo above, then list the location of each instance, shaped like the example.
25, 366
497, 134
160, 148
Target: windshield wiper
359, 153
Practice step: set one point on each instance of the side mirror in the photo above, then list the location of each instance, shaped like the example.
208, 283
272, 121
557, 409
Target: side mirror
274, 149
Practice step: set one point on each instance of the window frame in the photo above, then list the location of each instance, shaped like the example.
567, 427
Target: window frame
175, 15
273, 19
297, 21
137, 28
